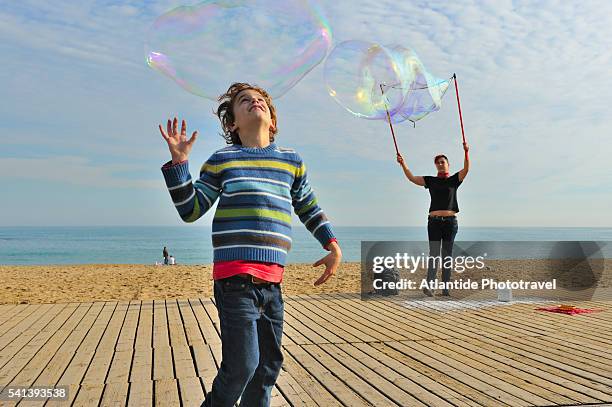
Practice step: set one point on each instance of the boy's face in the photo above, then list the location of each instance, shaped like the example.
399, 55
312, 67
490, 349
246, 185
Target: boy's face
250, 109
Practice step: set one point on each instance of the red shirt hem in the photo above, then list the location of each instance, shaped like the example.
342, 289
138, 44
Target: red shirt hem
271, 272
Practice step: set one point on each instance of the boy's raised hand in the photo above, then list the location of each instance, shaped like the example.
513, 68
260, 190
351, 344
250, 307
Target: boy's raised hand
178, 144
331, 262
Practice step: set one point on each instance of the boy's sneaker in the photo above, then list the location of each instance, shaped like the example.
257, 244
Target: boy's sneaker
427, 292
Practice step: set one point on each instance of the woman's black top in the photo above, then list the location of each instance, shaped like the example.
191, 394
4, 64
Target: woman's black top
443, 192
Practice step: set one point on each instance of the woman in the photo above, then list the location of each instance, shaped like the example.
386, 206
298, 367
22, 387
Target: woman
442, 221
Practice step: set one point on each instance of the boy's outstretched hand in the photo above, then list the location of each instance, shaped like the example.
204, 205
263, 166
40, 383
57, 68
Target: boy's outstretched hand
178, 144
331, 262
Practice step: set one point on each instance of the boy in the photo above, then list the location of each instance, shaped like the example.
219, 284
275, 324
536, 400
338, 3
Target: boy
257, 184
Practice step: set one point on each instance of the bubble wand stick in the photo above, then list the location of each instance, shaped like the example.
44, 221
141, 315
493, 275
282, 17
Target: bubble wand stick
458, 105
389, 119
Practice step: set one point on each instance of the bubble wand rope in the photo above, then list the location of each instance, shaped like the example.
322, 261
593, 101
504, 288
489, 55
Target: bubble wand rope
459, 106
389, 120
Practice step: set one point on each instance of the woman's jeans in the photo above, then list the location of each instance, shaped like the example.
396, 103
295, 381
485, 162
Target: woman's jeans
441, 231
251, 318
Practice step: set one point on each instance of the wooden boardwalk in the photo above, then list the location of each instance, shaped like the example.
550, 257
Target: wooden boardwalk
339, 351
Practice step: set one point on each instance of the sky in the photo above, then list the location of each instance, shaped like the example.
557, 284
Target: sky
80, 109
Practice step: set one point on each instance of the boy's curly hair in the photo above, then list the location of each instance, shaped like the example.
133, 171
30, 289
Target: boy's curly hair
225, 111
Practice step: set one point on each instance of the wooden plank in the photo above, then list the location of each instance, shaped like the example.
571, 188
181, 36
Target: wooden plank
161, 338
587, 323
190, 323
407, 372
477, 330
596, 390
492, 387
144, 332
115, 394
191, 391
213, 315
300, 316
25, 328
12, 314
119, 371
399, 385
205, 323
142, 362
382, 384
163, 367
500, 334
536, 322
41, 347
342, 323
476, 366
216, 351
331, 310
547, 383
277, 398
176, 328
127, 336
312, 388
183, 362
356, 319
62, 357
463, 355
8, 311
100, 363
301, 330
531, 344
391, 318
26, 316
292, 332
166, 392
333, 385
89, 395
564, 354
539, 322
181, 353
205, 364
292, 391
405, 331
311, 325
75, 371
141, 394
142, 365
429, 327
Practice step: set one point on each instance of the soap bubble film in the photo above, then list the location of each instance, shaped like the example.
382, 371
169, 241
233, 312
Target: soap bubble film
355, 72
206, 47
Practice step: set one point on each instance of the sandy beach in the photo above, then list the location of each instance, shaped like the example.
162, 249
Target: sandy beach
112, 282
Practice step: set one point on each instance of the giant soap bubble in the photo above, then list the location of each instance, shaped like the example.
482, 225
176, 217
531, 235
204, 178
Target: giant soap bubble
206, 47
369, 79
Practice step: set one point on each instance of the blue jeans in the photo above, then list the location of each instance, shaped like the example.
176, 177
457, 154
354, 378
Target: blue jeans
441, 232
251, 318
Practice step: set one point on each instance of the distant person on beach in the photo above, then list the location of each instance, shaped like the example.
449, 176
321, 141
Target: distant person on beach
442, 220
257, 184
165, 254
171, 261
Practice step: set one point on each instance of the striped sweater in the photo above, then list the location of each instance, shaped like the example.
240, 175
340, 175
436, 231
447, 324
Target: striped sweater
257, 189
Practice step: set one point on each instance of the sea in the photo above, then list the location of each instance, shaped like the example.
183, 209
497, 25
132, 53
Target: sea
191, 244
